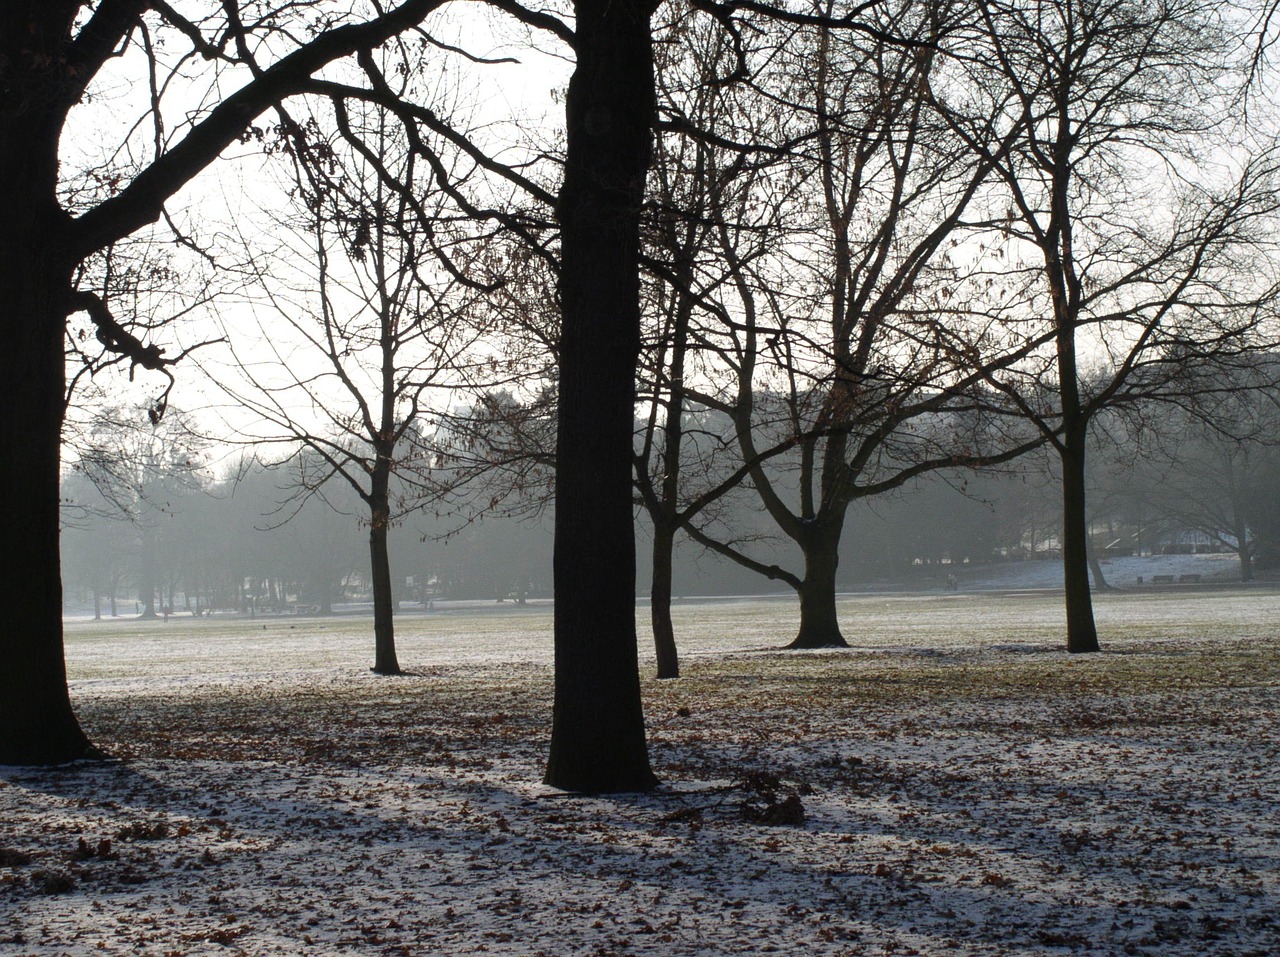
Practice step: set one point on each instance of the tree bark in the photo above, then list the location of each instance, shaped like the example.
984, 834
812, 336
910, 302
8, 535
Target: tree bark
597, 737
1082, 633
37, 725
664, 634
819, 624
385, 661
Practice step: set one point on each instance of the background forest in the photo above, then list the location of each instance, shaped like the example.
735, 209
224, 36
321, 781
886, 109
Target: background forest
170, 529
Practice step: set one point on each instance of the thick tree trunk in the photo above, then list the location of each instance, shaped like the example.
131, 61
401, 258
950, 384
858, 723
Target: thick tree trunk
819, 625
385, 661
37, 725
1082, 634
597, 736
664, 634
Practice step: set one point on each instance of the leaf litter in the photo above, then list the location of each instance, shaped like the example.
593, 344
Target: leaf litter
979, 794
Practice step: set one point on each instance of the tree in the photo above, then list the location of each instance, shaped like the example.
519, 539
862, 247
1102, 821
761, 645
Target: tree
385, 318
90, 542
1264, 511
679, 475
50, 56
598, 738
598, 727
1129, 249
852, 347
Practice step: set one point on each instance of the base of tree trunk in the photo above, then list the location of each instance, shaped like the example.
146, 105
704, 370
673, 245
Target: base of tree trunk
394, 671
1083, 642
588, 784
76, 748
805, 641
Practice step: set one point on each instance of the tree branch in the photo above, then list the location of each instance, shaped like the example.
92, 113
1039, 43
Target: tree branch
142, 200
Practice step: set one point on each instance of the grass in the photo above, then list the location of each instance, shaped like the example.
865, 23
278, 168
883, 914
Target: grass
954, 785
489, 669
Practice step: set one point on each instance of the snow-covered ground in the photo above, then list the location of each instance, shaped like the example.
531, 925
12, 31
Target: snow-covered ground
953, 785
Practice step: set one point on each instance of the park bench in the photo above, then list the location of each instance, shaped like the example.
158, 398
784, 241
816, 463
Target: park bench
1162, 579
1188, 579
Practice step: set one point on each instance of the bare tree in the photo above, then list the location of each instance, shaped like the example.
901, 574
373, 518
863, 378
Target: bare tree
683, 470
55, 55
379, 281
852, 343
1140, 226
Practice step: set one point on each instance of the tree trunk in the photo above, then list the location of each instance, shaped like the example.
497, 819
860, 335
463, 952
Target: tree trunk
384, 637
37, 725
819, 625
597, 735
1240, 530
664, 515
147, 596
664, 635
1100, 582
1245, 554
1082, 633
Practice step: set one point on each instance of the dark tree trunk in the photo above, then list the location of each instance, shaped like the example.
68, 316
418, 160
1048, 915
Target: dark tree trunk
1245, 554
1244, 548
598, 736
665, 512
819, 626
1082, 634
664, 635
37, 725
385, 661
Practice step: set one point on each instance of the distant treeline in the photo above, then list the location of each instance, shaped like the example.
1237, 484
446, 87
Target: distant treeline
159, 531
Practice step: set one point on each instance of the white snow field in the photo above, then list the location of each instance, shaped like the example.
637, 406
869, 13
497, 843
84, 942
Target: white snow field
954, 784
